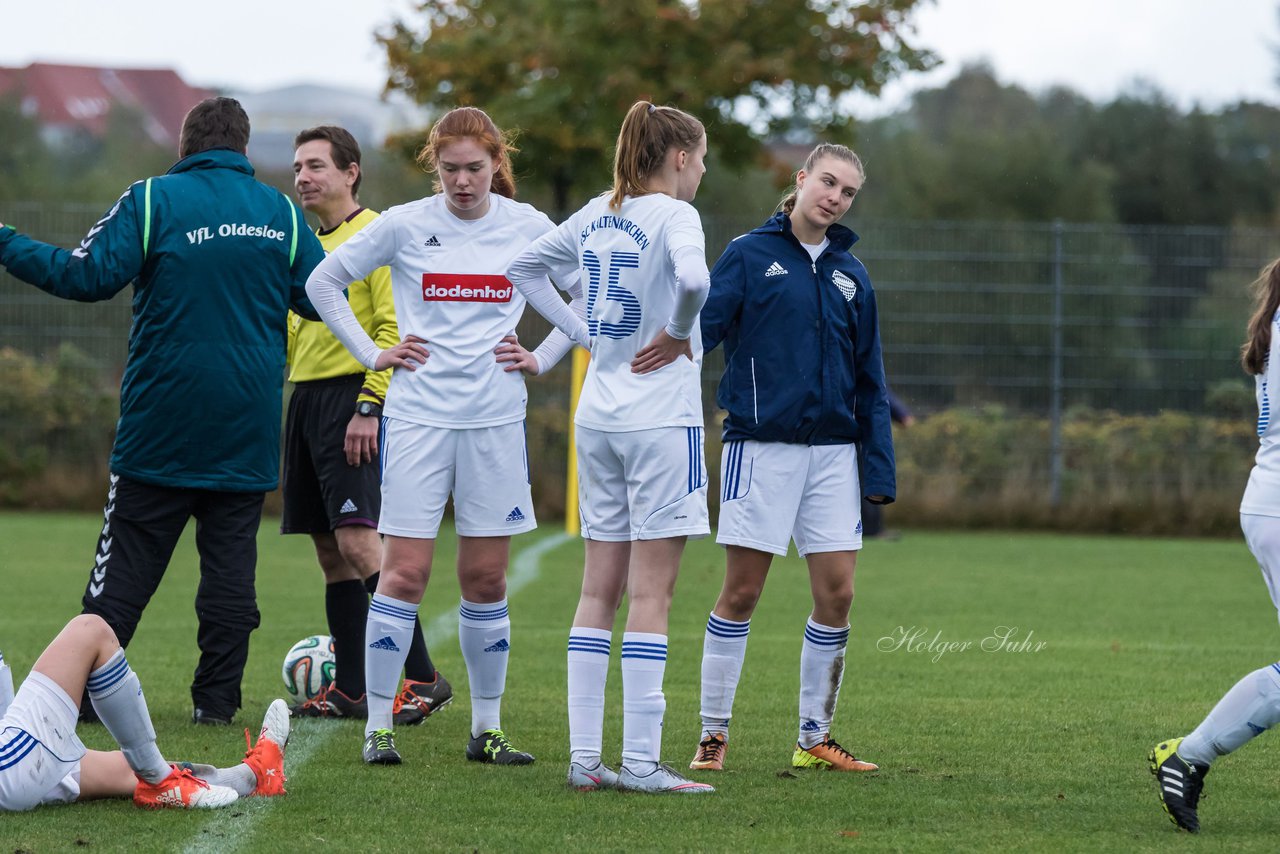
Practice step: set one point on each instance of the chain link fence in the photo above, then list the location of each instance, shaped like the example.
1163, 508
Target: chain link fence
1043, 324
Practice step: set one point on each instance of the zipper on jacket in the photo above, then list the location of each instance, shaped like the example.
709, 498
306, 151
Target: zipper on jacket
755, 400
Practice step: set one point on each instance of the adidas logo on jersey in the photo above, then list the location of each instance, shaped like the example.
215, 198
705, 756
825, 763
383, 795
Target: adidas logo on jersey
432, 242
515, 516
386, 643
847, 286
776, 269
500, 646
348, 506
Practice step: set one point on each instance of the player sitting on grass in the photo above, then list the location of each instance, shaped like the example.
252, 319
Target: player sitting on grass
43, 761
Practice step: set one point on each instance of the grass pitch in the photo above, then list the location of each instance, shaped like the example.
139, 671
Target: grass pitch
1009, 686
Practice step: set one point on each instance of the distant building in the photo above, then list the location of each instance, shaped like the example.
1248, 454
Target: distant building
278, 114
75, 100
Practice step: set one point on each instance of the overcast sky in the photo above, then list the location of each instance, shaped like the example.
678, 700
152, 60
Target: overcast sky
1209, 52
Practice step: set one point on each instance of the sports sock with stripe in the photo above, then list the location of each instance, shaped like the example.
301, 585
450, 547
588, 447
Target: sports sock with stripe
821, 671
644, 662
418, 665
724, 646
484, 634
386, 642
1250, 708
588, 672
117, 696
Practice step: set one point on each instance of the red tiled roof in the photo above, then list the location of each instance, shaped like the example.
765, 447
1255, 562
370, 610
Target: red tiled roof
82, 96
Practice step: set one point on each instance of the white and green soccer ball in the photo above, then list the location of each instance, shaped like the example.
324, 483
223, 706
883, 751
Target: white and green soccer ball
309, 667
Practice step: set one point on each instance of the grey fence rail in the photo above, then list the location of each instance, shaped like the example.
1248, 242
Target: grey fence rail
1034, 319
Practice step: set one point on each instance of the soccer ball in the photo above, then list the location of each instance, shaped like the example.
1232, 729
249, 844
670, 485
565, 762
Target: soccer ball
309, 667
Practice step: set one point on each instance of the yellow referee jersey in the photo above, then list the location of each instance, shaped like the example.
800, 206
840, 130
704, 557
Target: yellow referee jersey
314, 352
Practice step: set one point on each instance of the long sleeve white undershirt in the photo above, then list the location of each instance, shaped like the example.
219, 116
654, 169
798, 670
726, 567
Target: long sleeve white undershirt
693, 282
529, 274
325, 287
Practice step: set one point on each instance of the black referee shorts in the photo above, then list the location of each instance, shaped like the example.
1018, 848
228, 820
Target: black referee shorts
321, 491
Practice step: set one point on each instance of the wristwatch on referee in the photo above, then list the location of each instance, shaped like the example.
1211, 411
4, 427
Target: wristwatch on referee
369, 409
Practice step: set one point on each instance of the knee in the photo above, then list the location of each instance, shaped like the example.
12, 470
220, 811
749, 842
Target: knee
360, 550
487, 584
331, 562
647, 598
738, 603
602, 601
93, 629
832, 608
405, 583
90, 631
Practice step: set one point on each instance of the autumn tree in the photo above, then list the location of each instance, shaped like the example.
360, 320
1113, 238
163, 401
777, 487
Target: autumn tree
564, 72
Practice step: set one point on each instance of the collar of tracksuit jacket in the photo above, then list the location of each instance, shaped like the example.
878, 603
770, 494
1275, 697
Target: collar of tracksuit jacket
841, 238
213, 158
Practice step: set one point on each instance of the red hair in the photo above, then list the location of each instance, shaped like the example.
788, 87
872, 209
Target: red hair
471, 123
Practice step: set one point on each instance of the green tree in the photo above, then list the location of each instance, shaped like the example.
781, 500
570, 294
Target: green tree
976, 149
26, 166
565, 71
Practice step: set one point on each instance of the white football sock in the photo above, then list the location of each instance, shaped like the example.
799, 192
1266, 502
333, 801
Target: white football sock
588, 671
723, 648
644, 662
387, 636
117, 697
821, 670
1250, 708
239, 777
484, 634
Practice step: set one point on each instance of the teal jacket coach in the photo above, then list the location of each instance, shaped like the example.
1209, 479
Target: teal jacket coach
216, 259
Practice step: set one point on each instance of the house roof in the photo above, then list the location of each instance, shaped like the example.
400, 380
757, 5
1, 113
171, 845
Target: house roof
81, 96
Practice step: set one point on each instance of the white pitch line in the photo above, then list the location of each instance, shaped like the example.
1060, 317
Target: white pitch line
223, 835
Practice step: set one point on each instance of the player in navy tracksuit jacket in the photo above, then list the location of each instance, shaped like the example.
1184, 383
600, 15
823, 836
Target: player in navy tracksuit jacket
807, 433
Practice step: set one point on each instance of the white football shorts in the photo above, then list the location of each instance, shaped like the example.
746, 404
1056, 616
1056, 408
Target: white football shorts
1262, 534
775, 492
486, 469
39, 749
642, 484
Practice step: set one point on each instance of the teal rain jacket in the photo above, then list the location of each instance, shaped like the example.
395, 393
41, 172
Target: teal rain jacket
216, 260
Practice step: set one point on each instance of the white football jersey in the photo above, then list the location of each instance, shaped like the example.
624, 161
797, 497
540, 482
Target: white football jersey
628, 278
1262, 495
447, 277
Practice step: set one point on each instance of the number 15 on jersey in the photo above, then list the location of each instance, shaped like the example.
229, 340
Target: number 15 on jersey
614, 292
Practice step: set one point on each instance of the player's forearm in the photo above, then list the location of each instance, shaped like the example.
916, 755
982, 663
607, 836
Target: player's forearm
325, 287
529, 276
